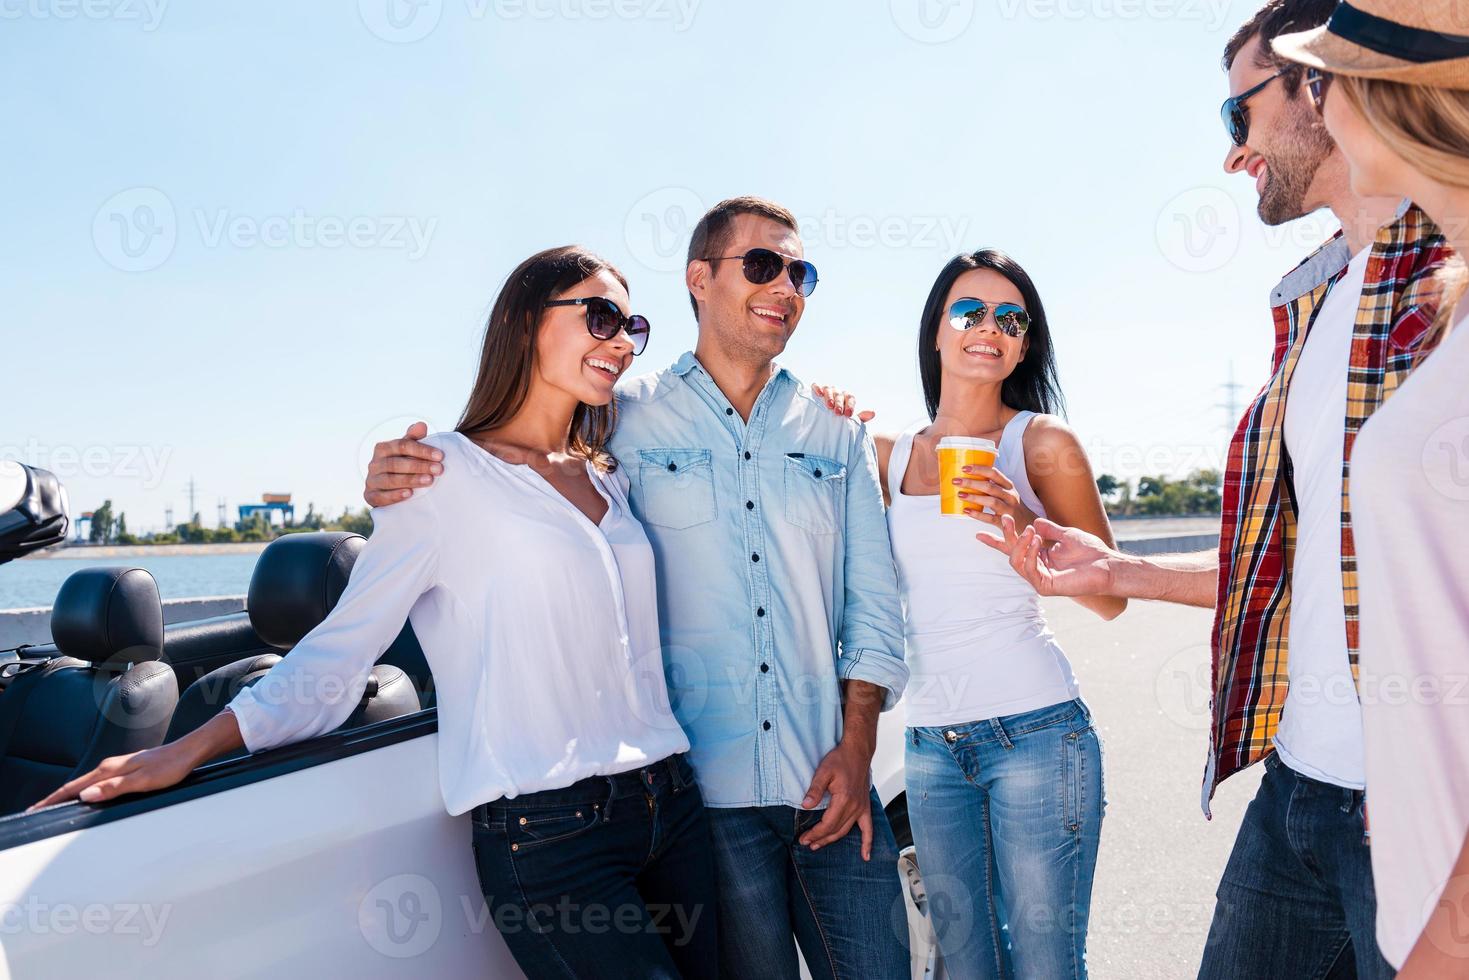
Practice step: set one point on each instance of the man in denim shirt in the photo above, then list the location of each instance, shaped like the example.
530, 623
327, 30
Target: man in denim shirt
778, 607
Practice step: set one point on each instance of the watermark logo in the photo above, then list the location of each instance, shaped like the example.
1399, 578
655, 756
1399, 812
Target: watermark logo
658, 226
135, 230
1446, 459
402, 916
1199, 230
400, 21
932, 21
1447, 917
1184, 685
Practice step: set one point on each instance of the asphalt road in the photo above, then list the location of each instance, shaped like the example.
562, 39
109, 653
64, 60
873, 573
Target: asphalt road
1146, 677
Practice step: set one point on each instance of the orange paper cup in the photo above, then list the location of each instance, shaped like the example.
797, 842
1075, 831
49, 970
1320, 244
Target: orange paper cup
955, 453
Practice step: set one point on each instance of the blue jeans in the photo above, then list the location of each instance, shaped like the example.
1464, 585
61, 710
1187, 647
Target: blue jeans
847, 914
1296, 899
1006, 816
612, 876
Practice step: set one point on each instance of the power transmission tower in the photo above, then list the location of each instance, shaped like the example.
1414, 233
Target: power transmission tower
1231, 404
192, 489
168, 517
221, 512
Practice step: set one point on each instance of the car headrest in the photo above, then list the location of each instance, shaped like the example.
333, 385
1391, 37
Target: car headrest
104, 614
298, 578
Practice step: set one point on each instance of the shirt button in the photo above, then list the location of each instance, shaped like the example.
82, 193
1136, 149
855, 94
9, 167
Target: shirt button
760, 611
755, 557
672, 467
817, 474
766, 726
749, 505
729, 411
747, 454
764, 668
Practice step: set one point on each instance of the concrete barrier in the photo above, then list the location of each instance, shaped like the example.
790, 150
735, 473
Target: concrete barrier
34, 625
1169, 544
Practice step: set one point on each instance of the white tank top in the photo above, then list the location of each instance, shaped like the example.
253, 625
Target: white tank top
978, 645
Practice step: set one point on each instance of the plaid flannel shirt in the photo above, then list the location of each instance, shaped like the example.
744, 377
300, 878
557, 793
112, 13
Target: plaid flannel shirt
1257, 534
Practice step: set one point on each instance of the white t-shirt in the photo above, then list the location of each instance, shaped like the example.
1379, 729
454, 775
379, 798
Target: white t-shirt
1320, 733
541, 629
1410, 516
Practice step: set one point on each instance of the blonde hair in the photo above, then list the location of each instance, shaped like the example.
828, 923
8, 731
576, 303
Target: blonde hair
1429, 128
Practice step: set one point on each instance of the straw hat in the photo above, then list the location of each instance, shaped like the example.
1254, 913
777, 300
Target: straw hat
1417, 42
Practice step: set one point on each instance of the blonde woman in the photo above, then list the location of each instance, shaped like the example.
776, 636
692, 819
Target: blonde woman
1391, 79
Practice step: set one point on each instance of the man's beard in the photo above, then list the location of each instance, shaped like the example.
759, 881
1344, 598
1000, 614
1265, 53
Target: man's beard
1289, 172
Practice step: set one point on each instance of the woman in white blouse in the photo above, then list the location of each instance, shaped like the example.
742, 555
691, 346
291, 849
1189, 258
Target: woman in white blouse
530, 586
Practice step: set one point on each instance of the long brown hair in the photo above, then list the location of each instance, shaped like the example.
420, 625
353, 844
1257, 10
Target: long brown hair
1429, 128
508, 355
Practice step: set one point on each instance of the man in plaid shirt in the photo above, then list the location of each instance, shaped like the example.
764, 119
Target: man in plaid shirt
1296, 898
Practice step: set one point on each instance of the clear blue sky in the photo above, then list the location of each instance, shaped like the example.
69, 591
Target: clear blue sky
243, 241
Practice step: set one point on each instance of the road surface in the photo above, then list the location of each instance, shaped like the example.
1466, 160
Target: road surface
1146, 677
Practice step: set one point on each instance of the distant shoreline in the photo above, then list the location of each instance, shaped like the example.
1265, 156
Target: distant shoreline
86, 551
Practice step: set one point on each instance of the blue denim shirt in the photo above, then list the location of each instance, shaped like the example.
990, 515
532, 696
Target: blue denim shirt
775, 575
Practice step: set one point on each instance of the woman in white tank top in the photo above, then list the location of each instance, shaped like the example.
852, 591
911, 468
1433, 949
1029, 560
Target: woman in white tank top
1003, 765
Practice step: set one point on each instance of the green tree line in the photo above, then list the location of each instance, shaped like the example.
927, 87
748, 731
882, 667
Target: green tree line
1197, 493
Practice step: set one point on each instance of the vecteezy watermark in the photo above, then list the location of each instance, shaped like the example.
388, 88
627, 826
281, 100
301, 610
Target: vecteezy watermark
1446, 917
407, 21
1199, 229
135, 230
932, 21
143, 463
1211, 12
401, 916
1183, 687
567, 917
400, 21
1446, 459
299, 229
148, 14
659, 224
34, 917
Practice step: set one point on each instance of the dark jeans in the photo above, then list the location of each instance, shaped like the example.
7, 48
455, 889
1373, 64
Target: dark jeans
846, 913
1296, 899
612, 876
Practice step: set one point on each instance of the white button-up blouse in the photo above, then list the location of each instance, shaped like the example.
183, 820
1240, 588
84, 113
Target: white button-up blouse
540, 627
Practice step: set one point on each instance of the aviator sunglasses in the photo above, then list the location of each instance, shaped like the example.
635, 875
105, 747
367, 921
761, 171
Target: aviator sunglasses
761, 265
605, 320
1236, 114
968, 313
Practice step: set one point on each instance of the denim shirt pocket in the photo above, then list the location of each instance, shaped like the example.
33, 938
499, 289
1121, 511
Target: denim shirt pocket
678, 487
816, 492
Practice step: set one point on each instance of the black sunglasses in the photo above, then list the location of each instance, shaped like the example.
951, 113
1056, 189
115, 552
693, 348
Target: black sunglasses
1317, 82
761, 265
968, 313
605, 320
1236, 114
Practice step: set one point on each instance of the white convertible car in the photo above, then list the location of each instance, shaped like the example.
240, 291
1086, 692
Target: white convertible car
331, 857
